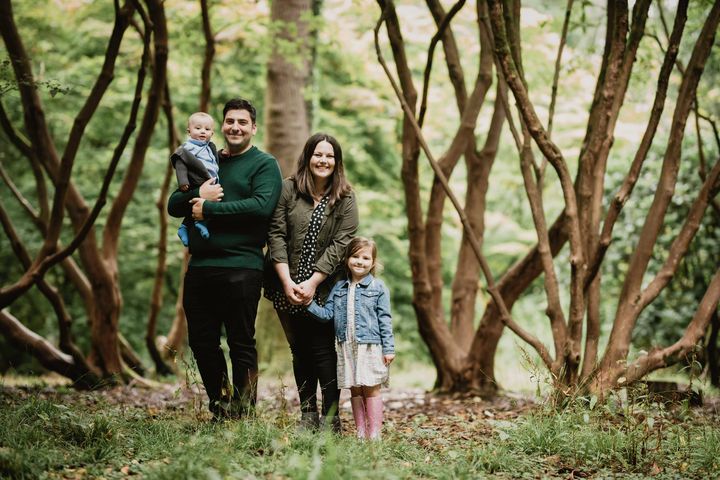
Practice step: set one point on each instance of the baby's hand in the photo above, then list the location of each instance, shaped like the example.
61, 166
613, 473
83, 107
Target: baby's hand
388, 358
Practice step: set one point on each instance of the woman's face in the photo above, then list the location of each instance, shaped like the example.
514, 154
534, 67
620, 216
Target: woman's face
322, 162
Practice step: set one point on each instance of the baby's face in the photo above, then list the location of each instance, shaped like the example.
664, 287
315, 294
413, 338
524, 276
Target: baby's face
200, 129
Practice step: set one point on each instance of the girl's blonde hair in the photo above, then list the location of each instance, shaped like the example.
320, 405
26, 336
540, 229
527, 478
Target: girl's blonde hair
358, 243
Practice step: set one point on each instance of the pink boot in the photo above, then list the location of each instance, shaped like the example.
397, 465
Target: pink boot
358, 409
374, 407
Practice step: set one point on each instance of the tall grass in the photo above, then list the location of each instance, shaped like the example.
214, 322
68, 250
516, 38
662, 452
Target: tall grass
50, 437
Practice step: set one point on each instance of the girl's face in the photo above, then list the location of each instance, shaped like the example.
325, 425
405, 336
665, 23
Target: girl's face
322, 162
361, 262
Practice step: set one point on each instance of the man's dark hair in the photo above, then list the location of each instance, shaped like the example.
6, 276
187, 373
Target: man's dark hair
240, 104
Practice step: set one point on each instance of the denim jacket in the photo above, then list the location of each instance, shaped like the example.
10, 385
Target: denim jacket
372, 312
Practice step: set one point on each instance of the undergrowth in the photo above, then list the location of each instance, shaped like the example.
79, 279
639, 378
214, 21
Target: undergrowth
54, 438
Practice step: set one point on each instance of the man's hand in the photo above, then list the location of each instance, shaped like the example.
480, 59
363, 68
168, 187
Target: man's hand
211, 191
197, 213
388, 358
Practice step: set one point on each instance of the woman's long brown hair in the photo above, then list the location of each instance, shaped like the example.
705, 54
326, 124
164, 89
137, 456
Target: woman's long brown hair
339, 186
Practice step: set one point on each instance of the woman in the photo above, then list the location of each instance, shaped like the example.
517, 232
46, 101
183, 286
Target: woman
314, 221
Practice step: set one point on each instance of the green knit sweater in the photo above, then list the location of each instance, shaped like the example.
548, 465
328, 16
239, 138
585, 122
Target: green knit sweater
239, 223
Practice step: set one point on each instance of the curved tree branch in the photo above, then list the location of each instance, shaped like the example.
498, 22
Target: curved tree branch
530, 339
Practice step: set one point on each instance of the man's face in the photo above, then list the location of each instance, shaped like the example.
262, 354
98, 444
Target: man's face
238, 129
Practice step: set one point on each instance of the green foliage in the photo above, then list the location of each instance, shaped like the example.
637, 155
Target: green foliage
351, 100
71, 57
664, 320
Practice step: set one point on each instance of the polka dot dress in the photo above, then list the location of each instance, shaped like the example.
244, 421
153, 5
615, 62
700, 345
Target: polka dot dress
307, 259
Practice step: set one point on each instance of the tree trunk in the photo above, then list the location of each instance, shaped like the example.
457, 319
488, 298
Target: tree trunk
173, 345
286, 117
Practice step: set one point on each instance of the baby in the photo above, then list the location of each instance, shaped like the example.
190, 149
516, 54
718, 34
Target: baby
195, 161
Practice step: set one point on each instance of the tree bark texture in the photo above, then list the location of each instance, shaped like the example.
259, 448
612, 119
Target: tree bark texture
99, 263
462, 364
286, 117
453, 363
622, 41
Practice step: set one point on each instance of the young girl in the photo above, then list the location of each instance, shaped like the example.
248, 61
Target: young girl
360, 307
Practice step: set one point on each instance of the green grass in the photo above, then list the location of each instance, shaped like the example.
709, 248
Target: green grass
62, 436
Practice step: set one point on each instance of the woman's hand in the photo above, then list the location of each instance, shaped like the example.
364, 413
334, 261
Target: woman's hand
307, 291
388, 358
308, 287
293, 292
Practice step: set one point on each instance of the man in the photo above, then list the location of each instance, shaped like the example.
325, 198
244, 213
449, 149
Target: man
224, 277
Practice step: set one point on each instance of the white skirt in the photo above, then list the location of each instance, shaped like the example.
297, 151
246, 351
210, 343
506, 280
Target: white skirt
361, 364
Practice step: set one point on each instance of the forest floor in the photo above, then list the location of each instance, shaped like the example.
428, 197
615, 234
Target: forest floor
52, 431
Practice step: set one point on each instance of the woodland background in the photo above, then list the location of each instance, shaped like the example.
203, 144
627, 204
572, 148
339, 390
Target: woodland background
312, 66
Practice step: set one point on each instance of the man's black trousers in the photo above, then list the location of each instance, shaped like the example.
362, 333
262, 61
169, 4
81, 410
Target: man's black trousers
216, 297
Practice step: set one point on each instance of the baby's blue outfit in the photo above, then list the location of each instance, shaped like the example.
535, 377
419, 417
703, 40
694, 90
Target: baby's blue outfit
202, 151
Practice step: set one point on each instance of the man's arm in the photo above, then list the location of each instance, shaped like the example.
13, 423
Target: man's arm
265, 195
179, 202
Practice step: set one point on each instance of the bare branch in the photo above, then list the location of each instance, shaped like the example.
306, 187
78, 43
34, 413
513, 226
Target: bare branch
679, 247
456, 74
530, 339
626, 188
122, 20
433, 331
142, 141
15, 137
157, 293
626, 317
549, 149
664, 357
49, 356
558, 61
207, 59
24, 203
463, 141
23, 145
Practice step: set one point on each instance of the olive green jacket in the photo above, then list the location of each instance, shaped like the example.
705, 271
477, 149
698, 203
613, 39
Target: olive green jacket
288, 226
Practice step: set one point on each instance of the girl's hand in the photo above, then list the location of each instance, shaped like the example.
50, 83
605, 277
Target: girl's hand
388, 358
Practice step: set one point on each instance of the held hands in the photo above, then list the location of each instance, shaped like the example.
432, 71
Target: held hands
208, 191
307, 291
293, 292
388, 358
